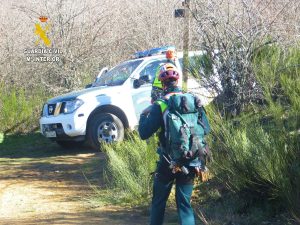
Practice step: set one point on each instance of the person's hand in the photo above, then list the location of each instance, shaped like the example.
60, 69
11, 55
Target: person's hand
146, 111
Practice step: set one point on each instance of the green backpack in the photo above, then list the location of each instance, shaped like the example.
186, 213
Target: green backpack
184, 130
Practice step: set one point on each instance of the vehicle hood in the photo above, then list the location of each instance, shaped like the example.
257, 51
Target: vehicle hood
85, 93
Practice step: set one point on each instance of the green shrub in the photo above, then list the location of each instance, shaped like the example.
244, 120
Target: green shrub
20, 109
129, 164
257, 155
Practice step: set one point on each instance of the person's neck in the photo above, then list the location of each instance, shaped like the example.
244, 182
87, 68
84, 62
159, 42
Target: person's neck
171, 89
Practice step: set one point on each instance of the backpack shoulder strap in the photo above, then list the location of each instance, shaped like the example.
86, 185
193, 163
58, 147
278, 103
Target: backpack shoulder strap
162, 104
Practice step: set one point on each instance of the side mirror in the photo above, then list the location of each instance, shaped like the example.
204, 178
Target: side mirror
142, 80
136, 84
145, 78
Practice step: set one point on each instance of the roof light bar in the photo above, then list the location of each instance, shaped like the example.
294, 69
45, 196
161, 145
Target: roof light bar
154, 51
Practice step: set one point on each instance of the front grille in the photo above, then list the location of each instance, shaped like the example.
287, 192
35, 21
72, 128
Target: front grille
52, 127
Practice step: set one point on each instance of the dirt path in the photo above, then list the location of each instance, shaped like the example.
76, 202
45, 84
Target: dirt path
50, 188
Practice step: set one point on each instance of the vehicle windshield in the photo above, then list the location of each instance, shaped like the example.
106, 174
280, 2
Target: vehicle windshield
118, 75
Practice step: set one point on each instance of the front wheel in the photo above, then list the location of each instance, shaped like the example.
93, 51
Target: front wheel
104, 127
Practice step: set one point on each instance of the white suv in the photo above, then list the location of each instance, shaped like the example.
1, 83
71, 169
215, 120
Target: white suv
103, 111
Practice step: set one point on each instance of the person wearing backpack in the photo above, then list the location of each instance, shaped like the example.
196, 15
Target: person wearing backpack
183, 124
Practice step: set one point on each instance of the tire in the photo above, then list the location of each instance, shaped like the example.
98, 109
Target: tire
70, 144
104, 127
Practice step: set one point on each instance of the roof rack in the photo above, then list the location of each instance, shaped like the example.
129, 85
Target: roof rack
154, 51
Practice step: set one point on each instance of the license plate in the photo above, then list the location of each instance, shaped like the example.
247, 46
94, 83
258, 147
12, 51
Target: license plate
50, 134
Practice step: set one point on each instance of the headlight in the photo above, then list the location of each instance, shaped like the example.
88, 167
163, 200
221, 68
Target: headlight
44, 110
71, 106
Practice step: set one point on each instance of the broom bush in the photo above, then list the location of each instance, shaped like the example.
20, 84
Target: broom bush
20, 109
128, 169
257, 155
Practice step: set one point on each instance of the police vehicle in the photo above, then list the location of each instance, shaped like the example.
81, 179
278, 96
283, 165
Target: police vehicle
109, 106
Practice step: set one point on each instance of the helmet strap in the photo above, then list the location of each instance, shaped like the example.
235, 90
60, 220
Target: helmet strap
169, 83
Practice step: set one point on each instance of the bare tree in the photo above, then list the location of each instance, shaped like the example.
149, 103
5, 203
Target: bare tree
231, 31
89, 33
93, 34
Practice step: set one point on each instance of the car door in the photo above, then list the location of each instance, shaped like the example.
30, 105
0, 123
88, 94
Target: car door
141, 96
